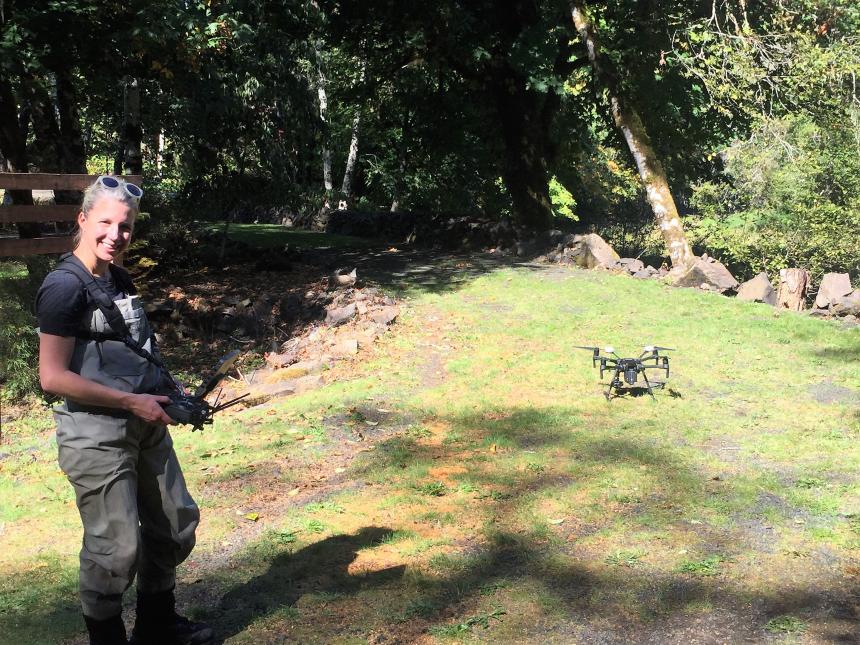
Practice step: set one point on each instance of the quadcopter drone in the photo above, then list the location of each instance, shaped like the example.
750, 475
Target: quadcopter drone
630, 368
194, 410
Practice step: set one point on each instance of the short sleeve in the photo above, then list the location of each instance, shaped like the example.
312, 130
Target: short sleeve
60, 304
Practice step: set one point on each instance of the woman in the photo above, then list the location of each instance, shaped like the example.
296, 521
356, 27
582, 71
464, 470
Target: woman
114, 447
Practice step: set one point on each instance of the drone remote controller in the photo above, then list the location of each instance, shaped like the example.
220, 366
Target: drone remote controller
193, 409
188, 410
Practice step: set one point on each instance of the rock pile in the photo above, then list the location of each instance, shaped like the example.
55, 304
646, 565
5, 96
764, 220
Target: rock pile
587, 251
835, 296
591, 251
351, 318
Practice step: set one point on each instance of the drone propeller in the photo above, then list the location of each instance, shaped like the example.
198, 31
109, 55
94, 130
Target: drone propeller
586, 347
656, 348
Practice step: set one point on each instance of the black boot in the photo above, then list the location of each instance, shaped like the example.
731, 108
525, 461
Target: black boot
110, 631
158, 623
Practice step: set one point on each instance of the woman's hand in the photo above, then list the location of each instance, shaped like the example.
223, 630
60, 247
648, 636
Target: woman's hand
148, 407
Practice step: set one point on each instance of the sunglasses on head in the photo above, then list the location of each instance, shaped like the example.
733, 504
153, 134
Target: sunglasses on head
133, 190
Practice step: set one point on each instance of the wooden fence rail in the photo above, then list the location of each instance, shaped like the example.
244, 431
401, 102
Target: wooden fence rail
20, 214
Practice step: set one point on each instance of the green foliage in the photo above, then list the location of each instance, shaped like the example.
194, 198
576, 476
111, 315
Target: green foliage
19, 351
707, 567
563, 201
789, 196
19, 342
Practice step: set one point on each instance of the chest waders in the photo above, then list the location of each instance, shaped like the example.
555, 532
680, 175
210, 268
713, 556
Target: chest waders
137, 514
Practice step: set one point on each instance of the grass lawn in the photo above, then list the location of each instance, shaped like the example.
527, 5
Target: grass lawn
268, 236
465, 480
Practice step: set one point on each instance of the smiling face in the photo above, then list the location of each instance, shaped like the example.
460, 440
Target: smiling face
105, 232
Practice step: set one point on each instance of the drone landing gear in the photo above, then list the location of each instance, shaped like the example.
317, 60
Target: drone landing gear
618, 385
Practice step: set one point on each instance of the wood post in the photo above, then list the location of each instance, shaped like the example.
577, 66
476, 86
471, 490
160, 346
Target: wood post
793, 285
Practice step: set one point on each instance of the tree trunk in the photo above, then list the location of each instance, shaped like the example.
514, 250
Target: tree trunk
351, 160
793, 285
132, 159
14, 149
328, 184
46, 130
72, 150
627, 119
73, 156
159, 151
524, 169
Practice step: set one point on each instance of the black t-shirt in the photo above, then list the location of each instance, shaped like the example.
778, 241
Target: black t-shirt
62, 299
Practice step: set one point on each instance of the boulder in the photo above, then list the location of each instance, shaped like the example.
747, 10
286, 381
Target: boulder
847, 305
345, 347
588, 251
647, 272
294, 371
341, 278
704, 271
631, 265
259, 394
833, 286
310, 382
386, 315
339, 315
759, 289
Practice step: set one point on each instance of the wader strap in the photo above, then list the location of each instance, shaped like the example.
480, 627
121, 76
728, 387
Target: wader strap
107, 306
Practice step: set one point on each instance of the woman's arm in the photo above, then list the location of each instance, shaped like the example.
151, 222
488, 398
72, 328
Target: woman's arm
55, 354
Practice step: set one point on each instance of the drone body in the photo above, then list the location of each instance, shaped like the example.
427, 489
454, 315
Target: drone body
629, 369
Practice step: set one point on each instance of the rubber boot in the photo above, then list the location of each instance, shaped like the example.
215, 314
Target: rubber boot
157, 623
110, 631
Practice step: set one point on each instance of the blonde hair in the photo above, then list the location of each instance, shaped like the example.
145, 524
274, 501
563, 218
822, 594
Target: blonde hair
96, 192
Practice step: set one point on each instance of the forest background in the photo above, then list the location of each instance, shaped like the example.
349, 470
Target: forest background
259, 110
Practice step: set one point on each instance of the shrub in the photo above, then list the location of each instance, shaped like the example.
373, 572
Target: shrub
19, 343
789, 196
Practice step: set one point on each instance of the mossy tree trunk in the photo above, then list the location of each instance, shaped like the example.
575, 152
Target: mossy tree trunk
627, 119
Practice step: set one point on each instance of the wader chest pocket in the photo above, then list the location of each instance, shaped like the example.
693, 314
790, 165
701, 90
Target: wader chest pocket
118, 360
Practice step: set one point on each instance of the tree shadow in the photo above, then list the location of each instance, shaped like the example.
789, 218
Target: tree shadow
611, 604
403, 267
317, 568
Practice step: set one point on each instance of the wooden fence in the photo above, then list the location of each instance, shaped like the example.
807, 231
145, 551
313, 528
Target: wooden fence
19, 214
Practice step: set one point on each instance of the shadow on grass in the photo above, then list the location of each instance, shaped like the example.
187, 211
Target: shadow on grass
398, 267
268, 236
425, 270
588, 602
322, 567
